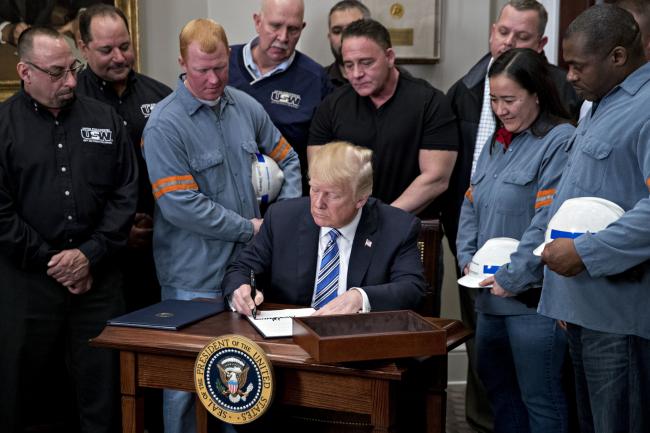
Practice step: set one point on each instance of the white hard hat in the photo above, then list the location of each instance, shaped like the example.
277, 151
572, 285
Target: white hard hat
267, 178
578, 216
488, 259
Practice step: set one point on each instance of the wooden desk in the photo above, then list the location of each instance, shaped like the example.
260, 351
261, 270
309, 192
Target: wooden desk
165, 359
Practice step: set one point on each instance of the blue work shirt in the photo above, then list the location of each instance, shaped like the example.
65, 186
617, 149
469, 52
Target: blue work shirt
199, 160
511, 190
610, 158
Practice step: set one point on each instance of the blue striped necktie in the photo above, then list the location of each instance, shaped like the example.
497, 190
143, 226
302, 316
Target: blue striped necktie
327, 284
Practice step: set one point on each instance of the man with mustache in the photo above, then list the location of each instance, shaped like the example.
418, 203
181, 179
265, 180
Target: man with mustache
109, 77
68, 192
286, 82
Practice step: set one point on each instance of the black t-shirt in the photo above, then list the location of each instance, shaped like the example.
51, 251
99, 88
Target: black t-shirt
134, 106
65, 182
417, 116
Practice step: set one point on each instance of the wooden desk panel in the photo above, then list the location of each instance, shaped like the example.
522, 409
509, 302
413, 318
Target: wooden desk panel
165, 359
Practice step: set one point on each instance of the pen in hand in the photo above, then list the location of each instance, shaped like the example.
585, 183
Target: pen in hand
253, 294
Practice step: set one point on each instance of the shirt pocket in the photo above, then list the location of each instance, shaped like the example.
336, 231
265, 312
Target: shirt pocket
589, 166
100, 164
516, 195
209, 172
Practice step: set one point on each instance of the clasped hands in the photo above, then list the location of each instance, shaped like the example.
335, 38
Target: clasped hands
349, 302
71, 268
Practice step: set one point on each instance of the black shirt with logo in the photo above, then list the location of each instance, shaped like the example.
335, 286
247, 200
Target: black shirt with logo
134, 106
68, 181
417, 116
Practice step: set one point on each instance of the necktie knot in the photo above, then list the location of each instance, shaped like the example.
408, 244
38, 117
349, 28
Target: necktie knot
334, 234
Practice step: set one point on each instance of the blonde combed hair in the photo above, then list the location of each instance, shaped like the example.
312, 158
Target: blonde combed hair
341, 163
208, 33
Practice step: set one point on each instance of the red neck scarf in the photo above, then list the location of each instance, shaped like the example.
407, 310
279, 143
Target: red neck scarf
504, 137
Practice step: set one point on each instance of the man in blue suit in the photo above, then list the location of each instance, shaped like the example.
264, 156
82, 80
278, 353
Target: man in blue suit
337, 250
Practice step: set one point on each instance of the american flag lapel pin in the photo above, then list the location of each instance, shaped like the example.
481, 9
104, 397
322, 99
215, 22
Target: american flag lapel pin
368, 243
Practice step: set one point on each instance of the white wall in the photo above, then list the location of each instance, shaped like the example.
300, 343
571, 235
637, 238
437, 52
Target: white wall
465, 27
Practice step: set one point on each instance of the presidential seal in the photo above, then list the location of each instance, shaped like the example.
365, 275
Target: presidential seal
234, 379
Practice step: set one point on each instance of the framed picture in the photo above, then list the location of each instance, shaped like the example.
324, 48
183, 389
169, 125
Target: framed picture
414, 27
56, 14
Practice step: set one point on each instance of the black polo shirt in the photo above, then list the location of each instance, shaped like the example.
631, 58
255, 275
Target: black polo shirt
417, 116
134, 105
334, 73
65, 182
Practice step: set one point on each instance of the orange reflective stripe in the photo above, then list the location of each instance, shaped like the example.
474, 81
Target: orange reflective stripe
469, 195
173, 183
281, 150
545, 192
647, 182
544, 198
171, 179
178, 187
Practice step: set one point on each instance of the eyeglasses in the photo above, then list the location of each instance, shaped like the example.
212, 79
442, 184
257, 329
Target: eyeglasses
61, 73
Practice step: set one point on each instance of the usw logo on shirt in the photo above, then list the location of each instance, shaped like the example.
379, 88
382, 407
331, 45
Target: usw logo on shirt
96, 135
285, 98
146, 109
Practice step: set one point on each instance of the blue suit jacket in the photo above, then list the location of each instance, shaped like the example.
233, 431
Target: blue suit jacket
384, 260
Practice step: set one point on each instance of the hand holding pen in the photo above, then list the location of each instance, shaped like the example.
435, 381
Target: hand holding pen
253, 293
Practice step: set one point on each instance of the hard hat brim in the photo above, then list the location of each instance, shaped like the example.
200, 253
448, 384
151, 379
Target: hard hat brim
472, 282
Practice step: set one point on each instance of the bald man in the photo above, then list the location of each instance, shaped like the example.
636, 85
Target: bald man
286, 82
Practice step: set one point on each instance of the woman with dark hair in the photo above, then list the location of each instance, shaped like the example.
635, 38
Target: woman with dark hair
519, 353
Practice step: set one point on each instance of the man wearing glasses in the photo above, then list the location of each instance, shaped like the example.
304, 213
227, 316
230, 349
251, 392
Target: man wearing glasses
68, 192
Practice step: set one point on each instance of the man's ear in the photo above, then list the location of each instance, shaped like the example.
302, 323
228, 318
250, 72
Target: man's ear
361, 202
542, 43
619, 56
83, 48
390, 54
23, 71
257, 20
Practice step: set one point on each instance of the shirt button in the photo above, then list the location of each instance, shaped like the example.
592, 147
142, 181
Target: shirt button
69, 217
67, 193
495, 176
56, 122
60, 145
69, 241
63, 169
125, 123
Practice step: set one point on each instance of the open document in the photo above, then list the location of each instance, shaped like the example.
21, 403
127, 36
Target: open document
277, 323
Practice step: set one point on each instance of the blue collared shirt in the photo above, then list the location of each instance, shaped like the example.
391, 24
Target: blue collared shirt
510, 191
254, 70
610, 159
199, 160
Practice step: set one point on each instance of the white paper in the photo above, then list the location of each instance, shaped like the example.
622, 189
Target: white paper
278, 323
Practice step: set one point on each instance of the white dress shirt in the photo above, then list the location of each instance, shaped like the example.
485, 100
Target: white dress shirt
344, 243
487, 123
